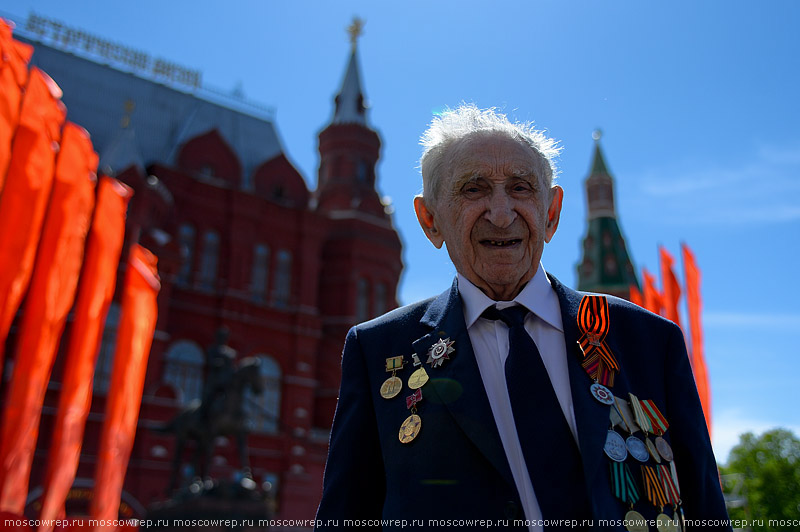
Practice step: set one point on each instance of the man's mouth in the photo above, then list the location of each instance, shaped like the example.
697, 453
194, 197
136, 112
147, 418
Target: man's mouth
501, 243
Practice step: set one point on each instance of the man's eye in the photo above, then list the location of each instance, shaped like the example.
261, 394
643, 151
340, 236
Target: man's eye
471, 188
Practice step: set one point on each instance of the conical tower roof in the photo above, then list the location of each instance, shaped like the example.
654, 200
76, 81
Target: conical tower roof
350, 107
599, 163
606, 266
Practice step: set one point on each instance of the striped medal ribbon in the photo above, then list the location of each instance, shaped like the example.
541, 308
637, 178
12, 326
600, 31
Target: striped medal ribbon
593, 321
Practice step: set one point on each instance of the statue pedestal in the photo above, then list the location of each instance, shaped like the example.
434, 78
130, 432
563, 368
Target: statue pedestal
213, 507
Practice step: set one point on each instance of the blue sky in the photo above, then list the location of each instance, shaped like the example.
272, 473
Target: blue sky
697, 102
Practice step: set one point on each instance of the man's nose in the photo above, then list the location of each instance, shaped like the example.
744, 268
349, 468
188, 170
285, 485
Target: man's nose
501, 211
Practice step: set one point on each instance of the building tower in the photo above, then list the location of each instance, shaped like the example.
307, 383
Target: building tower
361, 254
606, 266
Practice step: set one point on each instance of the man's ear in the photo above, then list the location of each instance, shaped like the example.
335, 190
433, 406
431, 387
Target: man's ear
553, 212
426, 220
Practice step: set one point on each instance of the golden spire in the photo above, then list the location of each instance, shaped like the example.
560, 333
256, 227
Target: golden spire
356, 30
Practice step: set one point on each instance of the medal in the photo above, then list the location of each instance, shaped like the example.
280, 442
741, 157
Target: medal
615, 447
410, 428
413, 423
439, 352
665, 523
664, 449
635, 522
637, 448
652, 450
391, 387
601, 393
418, 379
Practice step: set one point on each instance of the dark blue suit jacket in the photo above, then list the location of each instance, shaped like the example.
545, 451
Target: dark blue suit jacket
456, 468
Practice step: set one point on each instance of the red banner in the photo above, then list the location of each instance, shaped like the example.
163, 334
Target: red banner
636, 296
96, 289
670, 287
134, 337
26, 192
694, 306
652, 297
51, 294
14, 57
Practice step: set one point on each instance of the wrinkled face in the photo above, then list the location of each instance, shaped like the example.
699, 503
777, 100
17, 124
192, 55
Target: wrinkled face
493, 212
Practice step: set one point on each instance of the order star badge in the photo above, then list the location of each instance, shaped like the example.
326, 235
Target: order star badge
440, 351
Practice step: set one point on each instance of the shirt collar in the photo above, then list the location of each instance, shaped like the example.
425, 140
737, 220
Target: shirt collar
538, 296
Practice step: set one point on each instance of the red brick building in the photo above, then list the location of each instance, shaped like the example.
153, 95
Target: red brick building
242, 243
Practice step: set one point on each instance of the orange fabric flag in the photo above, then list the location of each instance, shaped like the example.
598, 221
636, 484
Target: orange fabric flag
95, 291
26, 192
14, 57
635, 296
670, 287
651, 295
134, 337
694, 306
51, 293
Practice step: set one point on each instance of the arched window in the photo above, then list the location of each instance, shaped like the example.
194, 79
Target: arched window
362, 300
186, 235
379, 306
282, 287
105, 359
260, 273
263, 411
210, 260
183, 370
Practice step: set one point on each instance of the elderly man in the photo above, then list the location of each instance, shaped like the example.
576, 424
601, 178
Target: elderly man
511, 400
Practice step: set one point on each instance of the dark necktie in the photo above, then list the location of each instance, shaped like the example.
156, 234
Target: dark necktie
550, 451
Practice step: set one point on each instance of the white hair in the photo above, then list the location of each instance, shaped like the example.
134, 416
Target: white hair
455, 124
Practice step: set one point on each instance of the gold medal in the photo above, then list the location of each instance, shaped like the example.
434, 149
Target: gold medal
665, 523
653, 451
410, 428
635, 522
418, 379
391, 387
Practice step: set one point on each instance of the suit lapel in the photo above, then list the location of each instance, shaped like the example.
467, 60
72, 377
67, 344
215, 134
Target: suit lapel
457, 384
591, 416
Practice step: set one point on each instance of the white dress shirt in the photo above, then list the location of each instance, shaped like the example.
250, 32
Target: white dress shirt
490, 342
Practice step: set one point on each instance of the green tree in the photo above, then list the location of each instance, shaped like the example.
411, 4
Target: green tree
765, 470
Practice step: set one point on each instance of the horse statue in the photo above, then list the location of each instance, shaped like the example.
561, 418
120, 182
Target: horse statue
220, 414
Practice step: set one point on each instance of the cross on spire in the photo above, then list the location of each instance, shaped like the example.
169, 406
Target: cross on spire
355, 30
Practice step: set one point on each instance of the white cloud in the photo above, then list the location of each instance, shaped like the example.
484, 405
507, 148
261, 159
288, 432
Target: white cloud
763, 190
729, 424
